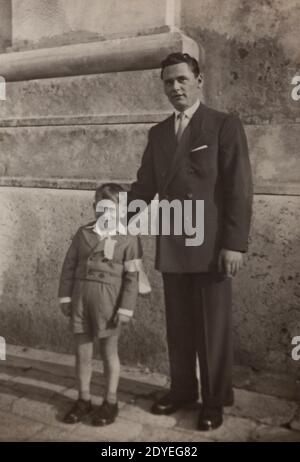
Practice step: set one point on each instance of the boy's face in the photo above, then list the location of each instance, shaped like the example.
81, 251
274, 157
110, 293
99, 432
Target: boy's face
107, 213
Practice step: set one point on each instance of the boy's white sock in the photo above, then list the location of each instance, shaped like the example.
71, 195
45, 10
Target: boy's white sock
85, 395
111, 398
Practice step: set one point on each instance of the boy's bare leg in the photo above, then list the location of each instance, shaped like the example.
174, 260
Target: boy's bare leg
84, 356
111, 362
108, 411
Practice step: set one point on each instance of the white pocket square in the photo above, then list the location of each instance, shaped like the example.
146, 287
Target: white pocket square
199, 148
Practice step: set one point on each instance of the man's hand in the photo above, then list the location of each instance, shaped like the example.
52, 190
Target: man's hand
66, 309
230, 262
122, 318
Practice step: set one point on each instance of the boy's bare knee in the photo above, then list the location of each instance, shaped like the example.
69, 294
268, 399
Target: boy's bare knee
84, 347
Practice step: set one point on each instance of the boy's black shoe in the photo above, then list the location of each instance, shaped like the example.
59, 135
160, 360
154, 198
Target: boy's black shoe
210, 418
79, 410
106, 414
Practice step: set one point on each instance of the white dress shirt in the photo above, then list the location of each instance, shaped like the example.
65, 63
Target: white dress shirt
187, 115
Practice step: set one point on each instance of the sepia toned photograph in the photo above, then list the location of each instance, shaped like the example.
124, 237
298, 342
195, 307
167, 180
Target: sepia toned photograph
149, 223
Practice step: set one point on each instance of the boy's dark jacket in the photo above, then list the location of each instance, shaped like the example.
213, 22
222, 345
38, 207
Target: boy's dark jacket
85, 260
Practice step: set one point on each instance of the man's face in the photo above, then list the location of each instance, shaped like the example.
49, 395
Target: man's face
181, 86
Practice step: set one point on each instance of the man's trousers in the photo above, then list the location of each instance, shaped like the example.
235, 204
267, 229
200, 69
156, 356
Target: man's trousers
199, 324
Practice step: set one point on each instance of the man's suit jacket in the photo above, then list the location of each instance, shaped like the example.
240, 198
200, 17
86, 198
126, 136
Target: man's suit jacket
219, 174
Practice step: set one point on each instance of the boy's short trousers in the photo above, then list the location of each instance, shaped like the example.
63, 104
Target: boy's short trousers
94, 306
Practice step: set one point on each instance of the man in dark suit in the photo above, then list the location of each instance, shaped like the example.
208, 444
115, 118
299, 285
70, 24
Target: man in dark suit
198, 154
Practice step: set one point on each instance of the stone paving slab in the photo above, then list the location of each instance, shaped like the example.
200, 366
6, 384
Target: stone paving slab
32, 390
47, 376
54, 434
35, 383
295, 423
233, 429
121, 430
33, 402
140, 412
17, 428
151, 378
7, 397
266, 433
8, 373
42, 360
263, 408
42, 411
152, 434
266, 382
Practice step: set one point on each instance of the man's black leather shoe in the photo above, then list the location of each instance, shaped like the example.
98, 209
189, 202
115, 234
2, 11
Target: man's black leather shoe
168, 405
210, 418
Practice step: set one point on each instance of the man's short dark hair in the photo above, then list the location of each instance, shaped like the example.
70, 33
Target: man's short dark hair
177, 58
108, 191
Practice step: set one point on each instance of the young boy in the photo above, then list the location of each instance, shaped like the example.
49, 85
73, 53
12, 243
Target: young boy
98, 290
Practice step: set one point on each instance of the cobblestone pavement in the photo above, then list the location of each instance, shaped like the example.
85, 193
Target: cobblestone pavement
37, 387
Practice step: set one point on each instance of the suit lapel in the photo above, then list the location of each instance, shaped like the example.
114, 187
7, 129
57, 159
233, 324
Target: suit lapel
181, 149
197, 136
177, 151
169, 139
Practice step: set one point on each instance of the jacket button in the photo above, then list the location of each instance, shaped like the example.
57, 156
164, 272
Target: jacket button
189, 195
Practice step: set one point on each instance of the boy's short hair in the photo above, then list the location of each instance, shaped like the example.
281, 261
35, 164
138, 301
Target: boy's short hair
108, 191
177, 58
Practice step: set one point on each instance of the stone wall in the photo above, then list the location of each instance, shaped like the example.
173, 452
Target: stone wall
252, 53
38, 23
61, 136
5, 25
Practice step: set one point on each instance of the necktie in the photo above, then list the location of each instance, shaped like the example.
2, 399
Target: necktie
181, 126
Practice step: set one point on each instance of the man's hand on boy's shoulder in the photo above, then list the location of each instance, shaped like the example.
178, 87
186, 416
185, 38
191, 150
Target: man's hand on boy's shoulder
66, 309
